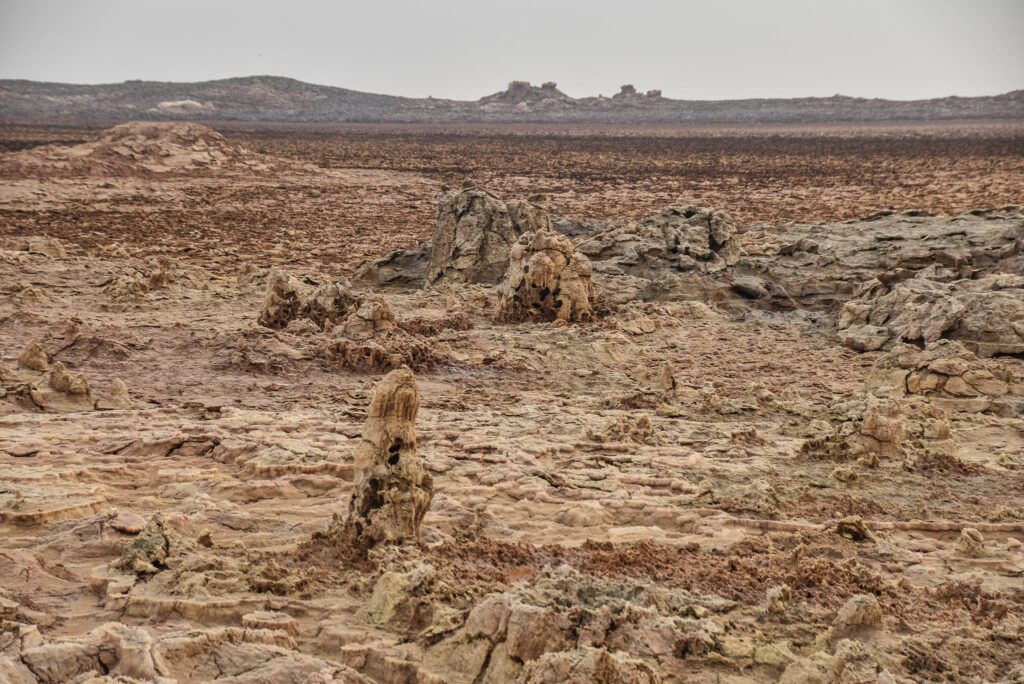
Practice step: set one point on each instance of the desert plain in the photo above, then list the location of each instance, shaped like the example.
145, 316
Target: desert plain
695, 403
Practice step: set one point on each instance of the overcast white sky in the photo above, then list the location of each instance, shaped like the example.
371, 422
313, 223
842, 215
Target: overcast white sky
719, 49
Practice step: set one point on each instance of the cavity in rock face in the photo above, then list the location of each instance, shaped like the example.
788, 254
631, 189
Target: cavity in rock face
474, 233
547, 279
392, 490
33, 357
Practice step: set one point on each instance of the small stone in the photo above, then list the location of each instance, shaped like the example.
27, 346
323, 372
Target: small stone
33, 357
861, 611
128, 522
776, 598
749, 287
844, 474
971, 543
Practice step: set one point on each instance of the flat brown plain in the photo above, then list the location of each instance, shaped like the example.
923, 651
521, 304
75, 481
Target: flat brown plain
383, 197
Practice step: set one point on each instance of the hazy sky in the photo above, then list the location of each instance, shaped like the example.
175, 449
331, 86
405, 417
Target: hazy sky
467, 48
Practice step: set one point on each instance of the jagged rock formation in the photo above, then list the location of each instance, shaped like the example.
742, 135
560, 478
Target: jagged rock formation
373, 316
947, 372
522, 96
289, 299
385, 352
874, 429
686, 238
64, 382
400, 269
474, 233
285, 300
392, 489
821, 266
985, 315
672, 255
547, 279
569, 626
332, 304
129, 286
40, 385
698, 254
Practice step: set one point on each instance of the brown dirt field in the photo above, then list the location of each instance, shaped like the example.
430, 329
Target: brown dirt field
239, 439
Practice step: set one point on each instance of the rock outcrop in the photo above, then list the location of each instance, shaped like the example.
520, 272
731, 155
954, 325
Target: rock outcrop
289, 299
474, 233
687, 238
547, 280
948, 373
985, 315
820, 266
331, 304
402, 269
568, 626
392, 489
911, 429
695, 253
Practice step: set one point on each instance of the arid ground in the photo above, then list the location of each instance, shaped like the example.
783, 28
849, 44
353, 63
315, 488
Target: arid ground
711, 478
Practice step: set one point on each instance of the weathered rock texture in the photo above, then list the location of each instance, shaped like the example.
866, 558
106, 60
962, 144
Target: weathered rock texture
985, 315
33, 357
568, 626
331, 304
688, 238
474, 233
289, 299
822, 265
547, 279
373, 316
392, 489
867, 431
696, 253
285, 300
949, 373
402, 269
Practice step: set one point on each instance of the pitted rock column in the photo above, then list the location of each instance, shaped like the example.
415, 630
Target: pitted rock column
392, 490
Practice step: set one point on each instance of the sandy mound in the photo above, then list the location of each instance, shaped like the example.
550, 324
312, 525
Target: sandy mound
140, 148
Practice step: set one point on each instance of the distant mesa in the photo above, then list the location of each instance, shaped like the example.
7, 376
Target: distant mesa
525, 93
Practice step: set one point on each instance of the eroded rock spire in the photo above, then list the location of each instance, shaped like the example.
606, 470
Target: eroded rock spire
392, 490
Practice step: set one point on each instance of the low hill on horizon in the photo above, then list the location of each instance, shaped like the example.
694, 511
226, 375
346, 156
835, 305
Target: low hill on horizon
279, 99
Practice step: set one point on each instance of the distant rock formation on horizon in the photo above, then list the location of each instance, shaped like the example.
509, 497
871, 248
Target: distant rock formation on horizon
277, 99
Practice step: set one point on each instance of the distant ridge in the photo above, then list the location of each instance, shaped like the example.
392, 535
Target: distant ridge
274, 98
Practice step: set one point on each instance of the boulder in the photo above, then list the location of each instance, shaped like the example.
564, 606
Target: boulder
474, 233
